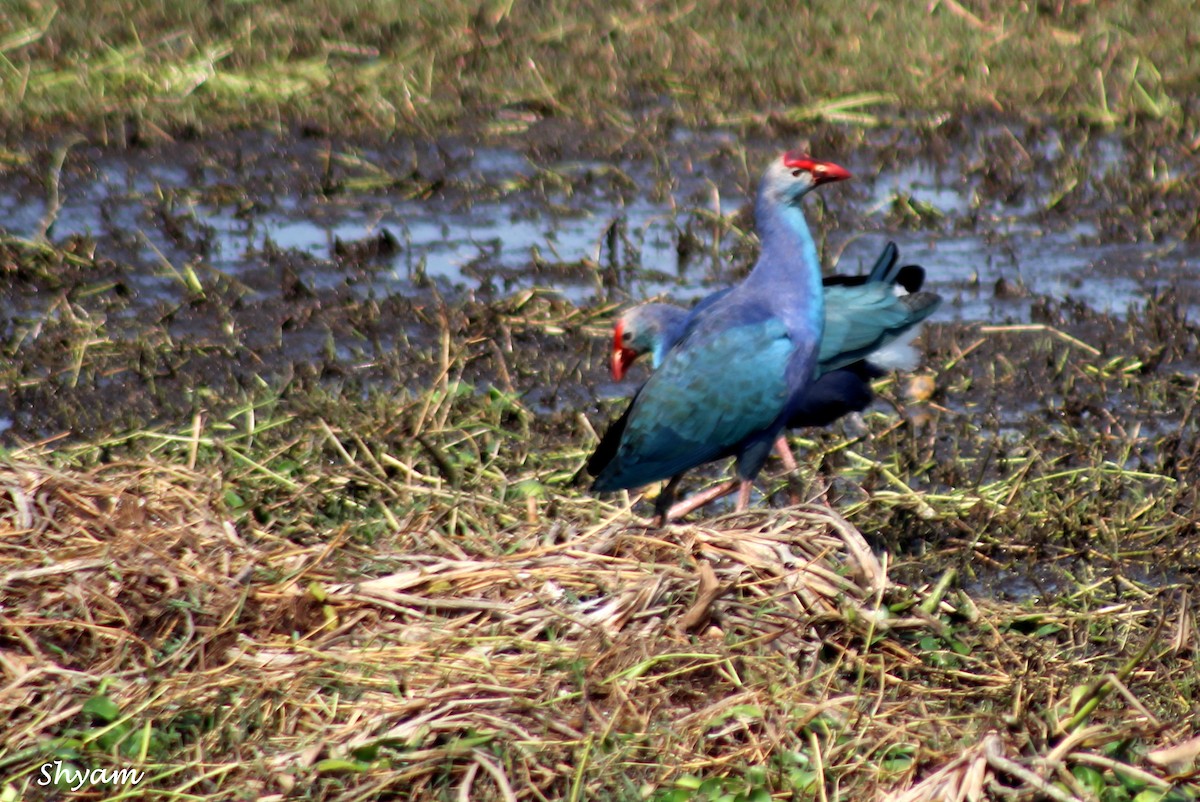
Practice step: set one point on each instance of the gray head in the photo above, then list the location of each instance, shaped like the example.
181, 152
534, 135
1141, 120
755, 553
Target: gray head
794, 173
646, 329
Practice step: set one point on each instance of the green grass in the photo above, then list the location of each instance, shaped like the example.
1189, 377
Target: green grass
290, 597
498, 66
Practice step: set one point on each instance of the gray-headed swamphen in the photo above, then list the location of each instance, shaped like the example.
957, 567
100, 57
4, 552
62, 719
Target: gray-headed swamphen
743, 363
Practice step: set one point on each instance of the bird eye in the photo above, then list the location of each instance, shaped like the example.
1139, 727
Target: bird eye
626, 336
797, 173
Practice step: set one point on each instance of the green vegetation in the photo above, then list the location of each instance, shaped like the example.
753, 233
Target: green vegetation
498, 65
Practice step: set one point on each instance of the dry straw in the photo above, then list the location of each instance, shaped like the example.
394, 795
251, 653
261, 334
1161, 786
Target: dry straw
606, 656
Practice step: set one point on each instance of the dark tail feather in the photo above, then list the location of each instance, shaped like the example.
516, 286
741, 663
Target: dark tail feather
606, 450
910, 277
884, 271
884, 264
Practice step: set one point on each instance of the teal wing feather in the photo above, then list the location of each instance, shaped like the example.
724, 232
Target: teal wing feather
710, 394
862, 319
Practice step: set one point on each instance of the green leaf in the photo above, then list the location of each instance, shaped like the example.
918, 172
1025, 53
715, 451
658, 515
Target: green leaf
65, 773
802, 779
746, 711
942, 659
1132, 783
113, 736
896, 764
467, 743
742, 712
144, 738
1150, 795
367, 752
1077, 695
286, 467
798, 758
1114, 793
103, 708
1089, 778
337, 765
528, 488
675, 795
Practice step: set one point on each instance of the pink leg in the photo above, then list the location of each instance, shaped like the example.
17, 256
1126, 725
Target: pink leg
700, 499
743, 495
789, 464
785, 454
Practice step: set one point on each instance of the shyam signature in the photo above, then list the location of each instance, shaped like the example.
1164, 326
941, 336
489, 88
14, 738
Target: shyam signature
61, 775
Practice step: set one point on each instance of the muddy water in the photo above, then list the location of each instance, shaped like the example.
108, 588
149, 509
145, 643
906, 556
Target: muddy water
488, 221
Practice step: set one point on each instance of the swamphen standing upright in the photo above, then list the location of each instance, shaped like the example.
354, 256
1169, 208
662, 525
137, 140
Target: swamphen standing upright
740, 369
869, 321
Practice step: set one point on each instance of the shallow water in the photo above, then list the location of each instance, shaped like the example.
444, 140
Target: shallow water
497, 228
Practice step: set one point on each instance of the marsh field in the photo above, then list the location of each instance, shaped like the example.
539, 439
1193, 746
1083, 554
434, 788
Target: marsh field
307, 320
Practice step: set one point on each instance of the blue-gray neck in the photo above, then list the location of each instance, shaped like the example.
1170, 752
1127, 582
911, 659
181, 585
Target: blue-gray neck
661, 347
668, 327
788, 267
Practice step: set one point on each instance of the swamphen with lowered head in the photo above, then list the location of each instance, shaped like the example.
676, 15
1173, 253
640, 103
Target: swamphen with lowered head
850, 306
870, 318
740, 368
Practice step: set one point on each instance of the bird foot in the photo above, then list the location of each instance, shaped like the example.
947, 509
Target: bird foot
789, 464
700, 499
662, 505
785, 454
